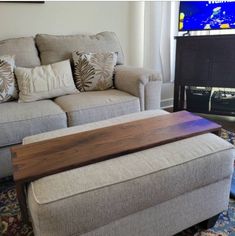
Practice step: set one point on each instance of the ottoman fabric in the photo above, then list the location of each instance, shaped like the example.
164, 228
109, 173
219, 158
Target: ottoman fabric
90, 197
192, 159
170, 217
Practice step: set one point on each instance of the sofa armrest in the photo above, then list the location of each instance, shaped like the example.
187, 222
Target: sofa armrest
140, 82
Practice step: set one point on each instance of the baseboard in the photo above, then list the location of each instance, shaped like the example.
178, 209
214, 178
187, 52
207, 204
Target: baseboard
166, 103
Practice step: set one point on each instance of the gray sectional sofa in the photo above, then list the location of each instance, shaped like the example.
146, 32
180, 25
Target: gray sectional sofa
135, 90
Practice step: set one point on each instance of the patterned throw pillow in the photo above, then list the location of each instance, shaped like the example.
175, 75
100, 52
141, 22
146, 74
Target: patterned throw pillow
8, 87
43, 82
94, 71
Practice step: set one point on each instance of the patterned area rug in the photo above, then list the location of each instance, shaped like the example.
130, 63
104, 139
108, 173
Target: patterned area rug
11, 224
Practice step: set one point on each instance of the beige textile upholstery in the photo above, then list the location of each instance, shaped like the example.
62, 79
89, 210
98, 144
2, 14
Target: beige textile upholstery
86, 107
43, 82
172, 216
142, 83
23, 49
55, 48
18, 120
96, 199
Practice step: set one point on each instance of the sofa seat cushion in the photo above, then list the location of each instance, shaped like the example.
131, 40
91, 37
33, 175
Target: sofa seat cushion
101, 193
93, 106
18, 120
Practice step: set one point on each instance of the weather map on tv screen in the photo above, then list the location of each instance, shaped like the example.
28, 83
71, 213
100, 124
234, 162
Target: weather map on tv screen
206, 15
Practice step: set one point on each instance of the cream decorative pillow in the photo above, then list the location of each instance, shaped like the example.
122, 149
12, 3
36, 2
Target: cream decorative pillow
8, 87
44, 82
94, 71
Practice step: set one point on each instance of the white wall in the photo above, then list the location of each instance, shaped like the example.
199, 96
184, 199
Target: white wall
19, 19
136, 33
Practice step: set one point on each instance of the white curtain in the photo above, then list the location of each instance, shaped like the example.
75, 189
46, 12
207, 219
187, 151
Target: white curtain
160, 27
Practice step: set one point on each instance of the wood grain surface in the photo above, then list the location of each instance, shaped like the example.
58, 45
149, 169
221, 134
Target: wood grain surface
36, 160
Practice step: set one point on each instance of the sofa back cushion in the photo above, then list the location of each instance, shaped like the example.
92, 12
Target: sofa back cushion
57, 48
24, 50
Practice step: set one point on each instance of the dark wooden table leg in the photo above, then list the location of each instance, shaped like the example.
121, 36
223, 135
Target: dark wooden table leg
21, 195
207, 224
218, 132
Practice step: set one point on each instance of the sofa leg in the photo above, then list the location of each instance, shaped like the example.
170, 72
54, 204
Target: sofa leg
209, 223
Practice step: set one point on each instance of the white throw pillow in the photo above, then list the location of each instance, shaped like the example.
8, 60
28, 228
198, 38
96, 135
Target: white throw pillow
8, 87
44, 82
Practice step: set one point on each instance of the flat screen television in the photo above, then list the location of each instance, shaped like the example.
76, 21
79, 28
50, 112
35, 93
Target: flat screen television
206, 15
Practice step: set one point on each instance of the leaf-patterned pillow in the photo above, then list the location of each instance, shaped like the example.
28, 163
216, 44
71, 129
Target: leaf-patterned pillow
8, 87
94, 71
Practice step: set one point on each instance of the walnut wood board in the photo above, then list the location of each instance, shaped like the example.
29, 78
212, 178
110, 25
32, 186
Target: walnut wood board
36, 160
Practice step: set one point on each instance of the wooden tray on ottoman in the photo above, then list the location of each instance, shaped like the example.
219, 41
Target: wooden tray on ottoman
36, 160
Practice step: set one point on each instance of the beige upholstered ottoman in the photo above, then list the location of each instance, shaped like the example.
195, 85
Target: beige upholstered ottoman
159, 191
